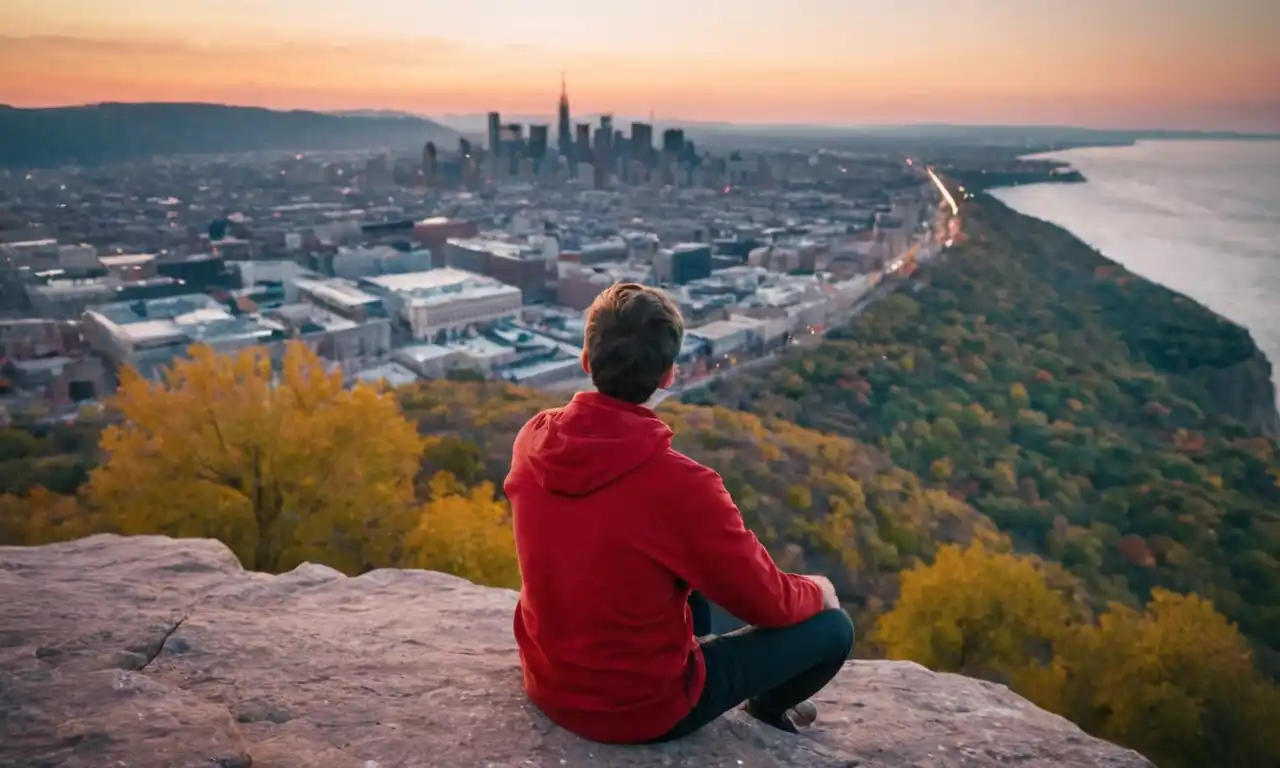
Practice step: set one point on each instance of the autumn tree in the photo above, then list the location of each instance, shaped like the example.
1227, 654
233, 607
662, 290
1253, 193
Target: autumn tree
41, 517
283, 466
1176, 682
980, 613
466, 533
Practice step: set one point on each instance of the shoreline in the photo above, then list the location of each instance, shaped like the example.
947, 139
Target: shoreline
1148, 275
1272, 429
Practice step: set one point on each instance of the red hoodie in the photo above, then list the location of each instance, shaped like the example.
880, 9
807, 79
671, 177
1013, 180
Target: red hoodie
612, 529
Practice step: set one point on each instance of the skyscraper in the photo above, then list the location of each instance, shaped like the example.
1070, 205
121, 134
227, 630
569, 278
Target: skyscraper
641, 142
537, 142
582, 142
430, 165
564, 127
600, 157
495, 133
673, 141
468, 163
605, 154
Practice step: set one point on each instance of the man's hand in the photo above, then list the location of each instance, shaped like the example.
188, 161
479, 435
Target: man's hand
829, 599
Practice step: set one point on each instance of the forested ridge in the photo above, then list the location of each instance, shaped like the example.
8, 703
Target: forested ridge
97, 133
1006, 474
1071, 403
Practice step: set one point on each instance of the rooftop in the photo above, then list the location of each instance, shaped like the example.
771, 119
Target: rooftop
176, 320
421, 353
341, 292
127, 259
496, 247
392, 373
521, 372
439, 286
430, 281
480, 348
722, 329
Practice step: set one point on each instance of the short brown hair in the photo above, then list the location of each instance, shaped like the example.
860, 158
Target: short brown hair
632, 338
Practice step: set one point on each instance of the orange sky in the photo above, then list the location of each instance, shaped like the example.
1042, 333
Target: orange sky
1122, 63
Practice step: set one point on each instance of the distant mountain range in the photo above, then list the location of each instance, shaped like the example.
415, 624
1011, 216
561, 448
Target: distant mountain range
112, 132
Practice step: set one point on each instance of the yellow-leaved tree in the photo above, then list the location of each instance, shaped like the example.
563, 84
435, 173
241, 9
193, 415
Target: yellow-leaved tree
466, 533
282, 465
41, 517
980, 613
1176, 682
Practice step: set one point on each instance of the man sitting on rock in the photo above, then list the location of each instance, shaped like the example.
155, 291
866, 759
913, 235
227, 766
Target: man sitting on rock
614, 530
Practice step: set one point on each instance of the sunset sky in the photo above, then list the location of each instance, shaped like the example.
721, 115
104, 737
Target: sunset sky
1113, 63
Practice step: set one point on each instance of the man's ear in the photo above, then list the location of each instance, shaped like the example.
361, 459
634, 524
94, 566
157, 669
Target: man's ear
586, 365
668, 378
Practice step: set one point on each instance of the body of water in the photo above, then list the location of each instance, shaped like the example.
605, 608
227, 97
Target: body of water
1200, 217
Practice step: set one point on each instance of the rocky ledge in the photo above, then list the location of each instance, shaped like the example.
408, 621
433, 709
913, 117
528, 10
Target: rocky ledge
151, 651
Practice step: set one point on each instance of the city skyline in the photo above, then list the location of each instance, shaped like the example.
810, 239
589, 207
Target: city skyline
1177, 64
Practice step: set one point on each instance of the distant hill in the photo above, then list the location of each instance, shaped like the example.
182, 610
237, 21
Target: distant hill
111, 132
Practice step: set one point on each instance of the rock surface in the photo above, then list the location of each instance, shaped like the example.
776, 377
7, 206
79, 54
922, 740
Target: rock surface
151, 651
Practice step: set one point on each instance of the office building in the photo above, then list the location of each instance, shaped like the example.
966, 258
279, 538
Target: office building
673, 142
689, 262
641, 143
527, 266
437, 230
149, 334
537, 142
430, 165
582, 144
495, 133
442, 303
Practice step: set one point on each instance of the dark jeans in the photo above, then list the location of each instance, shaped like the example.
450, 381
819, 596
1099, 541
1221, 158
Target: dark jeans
773, 669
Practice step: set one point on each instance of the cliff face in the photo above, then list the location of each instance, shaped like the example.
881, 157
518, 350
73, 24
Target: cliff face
1244, 392
151, 651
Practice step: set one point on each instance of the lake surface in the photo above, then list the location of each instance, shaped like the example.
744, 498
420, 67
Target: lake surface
1200, 217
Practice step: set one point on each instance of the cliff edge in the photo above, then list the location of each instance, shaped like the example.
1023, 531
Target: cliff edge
150, 651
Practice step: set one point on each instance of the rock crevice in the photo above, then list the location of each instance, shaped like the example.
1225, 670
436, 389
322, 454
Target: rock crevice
394, 668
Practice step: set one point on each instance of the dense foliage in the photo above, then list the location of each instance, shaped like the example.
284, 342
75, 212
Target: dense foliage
1175, 681
55, 457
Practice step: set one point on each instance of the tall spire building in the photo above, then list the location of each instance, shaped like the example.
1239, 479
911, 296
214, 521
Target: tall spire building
564, 128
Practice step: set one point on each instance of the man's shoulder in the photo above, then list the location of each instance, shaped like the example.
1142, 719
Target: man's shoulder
681, 470
539, 419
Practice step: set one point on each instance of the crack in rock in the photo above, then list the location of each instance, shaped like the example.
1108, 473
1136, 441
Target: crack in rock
153, 650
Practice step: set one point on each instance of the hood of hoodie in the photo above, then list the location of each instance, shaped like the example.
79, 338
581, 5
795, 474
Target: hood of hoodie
590, 443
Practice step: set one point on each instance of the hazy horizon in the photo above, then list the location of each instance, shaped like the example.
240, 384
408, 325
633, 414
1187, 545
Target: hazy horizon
1178, 65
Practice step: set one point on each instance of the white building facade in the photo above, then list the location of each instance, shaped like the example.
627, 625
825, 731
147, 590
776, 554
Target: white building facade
442, 303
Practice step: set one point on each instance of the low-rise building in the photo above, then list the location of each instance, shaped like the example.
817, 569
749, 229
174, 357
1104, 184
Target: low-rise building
34, 337
149, 334
59, 381
527, 266
341, 297
390, 374
431, 361
541, 373
331, 336
726, 337
442, 303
